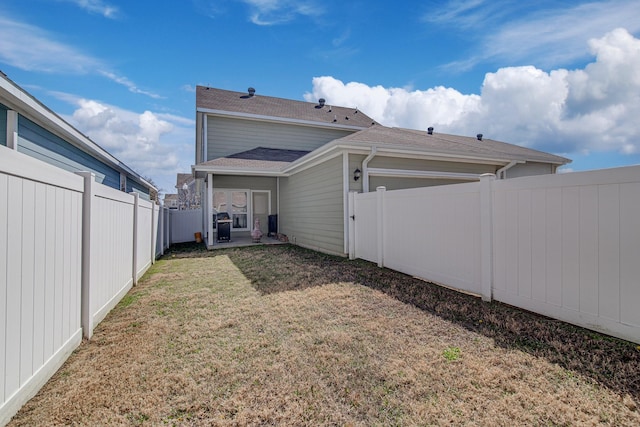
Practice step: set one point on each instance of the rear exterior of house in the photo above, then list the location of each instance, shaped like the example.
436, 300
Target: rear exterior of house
260, 156
242, 143
29, 127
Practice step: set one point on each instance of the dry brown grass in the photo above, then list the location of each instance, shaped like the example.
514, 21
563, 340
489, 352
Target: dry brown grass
284, 336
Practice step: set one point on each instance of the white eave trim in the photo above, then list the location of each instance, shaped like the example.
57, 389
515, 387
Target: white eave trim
407, 173
235, 171
261, 117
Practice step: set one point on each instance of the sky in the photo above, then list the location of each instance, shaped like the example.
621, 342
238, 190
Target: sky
558, 76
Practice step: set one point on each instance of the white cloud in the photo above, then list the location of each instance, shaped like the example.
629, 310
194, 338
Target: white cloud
44, 53
97, 6
152, 144
552, 35
562, 111
273, 12
128, 84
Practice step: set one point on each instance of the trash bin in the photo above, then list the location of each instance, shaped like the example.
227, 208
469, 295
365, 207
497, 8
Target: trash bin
273, 225
223, 226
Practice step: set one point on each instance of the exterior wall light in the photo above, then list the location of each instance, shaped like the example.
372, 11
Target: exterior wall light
356, 174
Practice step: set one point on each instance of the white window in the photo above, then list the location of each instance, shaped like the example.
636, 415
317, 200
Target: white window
236, 204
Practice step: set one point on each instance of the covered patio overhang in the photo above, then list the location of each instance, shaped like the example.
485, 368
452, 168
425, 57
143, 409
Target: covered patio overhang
245, 186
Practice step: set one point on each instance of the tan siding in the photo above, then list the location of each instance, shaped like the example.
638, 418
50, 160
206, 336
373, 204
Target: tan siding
529, 169
199, 131
393, 183
227, 136
355, 162
430, 165
249, 183
397, 183
311, 207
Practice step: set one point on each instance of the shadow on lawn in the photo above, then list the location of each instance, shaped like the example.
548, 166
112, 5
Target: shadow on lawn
609, 361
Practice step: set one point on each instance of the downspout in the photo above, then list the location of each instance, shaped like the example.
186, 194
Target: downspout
502, 172
365, 169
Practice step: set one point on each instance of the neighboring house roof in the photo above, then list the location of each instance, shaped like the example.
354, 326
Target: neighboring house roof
170, 198
438, 143
221, 101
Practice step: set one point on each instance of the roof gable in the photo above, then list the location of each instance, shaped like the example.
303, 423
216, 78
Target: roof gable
183, 178
219, 100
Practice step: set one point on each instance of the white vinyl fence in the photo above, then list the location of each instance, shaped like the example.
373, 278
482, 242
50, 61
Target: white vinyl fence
70, 249
184, 224
566, 246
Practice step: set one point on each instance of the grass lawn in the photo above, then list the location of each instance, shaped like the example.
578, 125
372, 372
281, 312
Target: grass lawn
278, 335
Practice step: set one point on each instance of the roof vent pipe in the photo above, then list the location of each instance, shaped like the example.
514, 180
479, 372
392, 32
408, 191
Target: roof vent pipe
251, 91
430, 130
321, 102
479, 136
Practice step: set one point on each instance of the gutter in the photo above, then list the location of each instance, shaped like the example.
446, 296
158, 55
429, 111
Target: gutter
365, 169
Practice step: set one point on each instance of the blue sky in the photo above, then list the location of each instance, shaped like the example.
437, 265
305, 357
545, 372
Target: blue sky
559, 76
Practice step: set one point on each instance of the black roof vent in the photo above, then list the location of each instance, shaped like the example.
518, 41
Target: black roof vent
430, 130
251, 91
479, 136
321, 102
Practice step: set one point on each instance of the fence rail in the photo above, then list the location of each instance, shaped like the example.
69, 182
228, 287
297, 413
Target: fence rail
566, 246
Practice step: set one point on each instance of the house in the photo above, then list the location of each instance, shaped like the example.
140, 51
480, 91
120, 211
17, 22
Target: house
171, 201
261, 155
188, 191
28, 126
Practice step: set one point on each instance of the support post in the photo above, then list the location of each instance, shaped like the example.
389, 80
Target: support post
136, 203
486, 235
86, 316
380, 191
209, 210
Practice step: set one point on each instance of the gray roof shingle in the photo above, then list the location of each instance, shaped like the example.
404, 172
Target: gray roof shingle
260, 158
448, 144
270, 154
267, 106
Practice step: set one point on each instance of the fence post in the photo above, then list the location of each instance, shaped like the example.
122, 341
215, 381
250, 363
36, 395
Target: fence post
167, 228
380, 191
12, 129
352, 225
136, 200
161, 229
153, 232
486, 235
86, 316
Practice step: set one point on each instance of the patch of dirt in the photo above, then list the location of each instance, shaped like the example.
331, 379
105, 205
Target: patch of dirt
280, 335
